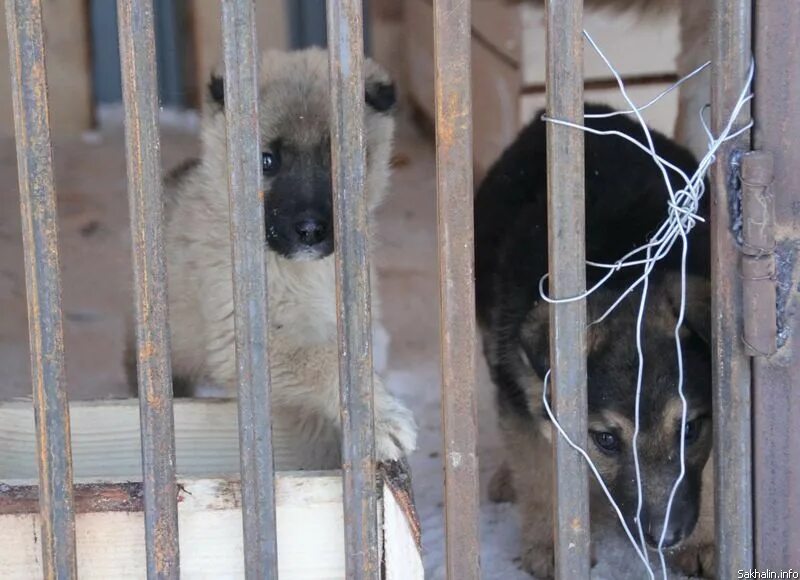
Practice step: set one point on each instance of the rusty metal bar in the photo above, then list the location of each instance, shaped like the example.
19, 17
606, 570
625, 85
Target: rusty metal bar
353, 311
452, 56
40, 239
250, 288
567, 250
776, 395
730, 58
145, 195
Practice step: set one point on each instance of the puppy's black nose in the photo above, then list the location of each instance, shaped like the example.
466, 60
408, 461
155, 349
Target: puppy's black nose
311, 231
671, 538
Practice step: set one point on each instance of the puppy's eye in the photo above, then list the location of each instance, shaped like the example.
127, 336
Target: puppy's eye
270, 163
692, 431
607, 442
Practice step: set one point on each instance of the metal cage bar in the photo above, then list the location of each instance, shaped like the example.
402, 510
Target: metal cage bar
353, 310
776, 405
454, 195
731, 57
145, 194
250, 287
42, 275
567, 256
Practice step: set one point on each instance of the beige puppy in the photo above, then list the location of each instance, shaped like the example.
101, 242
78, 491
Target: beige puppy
294, 111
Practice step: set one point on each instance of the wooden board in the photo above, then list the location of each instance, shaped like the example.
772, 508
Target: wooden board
495, 102
660, 116
105, 439
508, 75
419, 55
69, 75
497, 26
310, 535
110, 523
636, 45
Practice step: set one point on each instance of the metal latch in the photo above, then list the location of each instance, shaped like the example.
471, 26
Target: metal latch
758, 254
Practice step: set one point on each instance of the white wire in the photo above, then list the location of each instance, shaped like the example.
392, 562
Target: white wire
681, 218
594, 469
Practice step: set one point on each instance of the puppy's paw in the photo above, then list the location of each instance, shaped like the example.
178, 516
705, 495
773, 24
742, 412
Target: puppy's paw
395, 434
695, 561
501, 488
539, 560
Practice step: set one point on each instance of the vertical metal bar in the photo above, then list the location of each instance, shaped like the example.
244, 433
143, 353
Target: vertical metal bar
250, 287
140, 94
731, 55
348, 162
452, 56
776, 397
40, 239
567, 251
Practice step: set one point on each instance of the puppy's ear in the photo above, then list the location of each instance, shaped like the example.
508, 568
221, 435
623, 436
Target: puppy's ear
380, 92
535, 338
216, 91
697, 306
381, 95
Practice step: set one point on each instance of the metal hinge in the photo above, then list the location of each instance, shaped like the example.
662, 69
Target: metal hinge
758, 254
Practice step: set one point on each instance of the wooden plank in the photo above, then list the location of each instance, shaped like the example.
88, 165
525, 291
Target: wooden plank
635, 45
206, 34
496, 94
110, 544
68, 69
105, 439
401, 548
496, 25
110, 522
419, 55
309, 518
660, 116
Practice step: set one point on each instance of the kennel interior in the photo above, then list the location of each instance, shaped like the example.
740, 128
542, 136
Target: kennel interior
477, 71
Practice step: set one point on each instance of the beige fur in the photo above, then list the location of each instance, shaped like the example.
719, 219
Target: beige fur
294, 103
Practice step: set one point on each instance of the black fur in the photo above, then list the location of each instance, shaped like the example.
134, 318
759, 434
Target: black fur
625, 203
216, 90
381, 96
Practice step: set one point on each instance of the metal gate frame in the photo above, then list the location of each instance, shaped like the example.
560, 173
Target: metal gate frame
770, 424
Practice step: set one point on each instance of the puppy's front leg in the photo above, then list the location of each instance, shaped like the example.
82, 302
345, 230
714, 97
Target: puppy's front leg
315, 387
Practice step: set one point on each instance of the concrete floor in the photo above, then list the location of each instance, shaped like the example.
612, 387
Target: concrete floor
94, 242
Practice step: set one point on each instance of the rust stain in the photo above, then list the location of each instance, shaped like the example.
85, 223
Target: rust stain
89, 498
147, 350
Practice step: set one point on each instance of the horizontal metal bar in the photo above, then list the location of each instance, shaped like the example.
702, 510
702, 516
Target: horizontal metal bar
730, 58
567, 251
249, 288
351, 230
42, 274
145, 195
453, 94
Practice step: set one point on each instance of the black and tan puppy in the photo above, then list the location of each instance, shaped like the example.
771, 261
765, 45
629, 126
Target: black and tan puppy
626, 201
